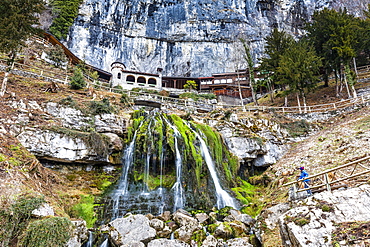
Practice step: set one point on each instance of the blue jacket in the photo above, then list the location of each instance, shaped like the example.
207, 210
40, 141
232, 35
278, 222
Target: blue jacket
303, 175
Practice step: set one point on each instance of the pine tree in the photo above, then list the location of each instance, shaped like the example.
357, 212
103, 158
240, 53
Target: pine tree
18, 21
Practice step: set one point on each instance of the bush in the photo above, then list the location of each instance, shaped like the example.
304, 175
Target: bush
49, 232
101, 107
14, 219
77, 80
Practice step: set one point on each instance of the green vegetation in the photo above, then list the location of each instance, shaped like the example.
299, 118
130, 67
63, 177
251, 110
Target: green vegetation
246, 194
190, 85
66, 11
298, 128
48, 232
85, 210
196, 96
18, 21
77, 80
101, 107
15, 217
56, 54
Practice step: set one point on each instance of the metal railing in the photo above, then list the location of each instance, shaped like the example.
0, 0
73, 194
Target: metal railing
332, 178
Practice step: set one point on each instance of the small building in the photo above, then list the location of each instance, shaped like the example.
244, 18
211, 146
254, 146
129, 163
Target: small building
134, 79
227, 84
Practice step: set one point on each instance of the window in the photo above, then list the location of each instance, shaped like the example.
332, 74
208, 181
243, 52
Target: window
119, 75
130, 78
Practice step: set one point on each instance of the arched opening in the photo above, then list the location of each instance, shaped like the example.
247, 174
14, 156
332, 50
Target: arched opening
119, 75
152, 82
141, 80
130, 79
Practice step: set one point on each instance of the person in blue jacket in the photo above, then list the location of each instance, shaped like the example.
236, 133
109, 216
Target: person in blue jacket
302, 176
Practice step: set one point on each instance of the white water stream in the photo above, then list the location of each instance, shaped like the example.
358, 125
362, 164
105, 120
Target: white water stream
223, 198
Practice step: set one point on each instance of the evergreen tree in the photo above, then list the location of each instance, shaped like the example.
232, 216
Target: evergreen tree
18, 21
335, 36
299, 68
276, 45
77, 80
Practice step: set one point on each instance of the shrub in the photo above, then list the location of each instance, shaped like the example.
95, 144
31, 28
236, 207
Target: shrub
49, 232
101, 107
15, 218
77, 80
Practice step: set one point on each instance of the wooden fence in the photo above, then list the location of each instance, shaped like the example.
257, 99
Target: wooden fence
333, 178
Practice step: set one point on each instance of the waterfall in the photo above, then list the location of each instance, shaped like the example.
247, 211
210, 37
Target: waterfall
105, 243
177, 187
160, 161
223, 198
90, 241
122, 189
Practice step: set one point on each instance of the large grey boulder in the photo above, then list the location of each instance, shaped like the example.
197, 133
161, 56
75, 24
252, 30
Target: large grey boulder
187, 225
162, 242
133, 228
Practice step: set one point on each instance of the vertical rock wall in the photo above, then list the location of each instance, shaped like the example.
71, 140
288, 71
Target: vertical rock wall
184, 37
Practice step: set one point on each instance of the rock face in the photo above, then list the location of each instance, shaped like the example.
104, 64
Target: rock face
313, 222
257, 141
185, 38
75, 136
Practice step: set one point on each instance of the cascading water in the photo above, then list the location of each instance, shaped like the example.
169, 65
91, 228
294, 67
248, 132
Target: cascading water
223, 198
122, 188
163, 170
177, 187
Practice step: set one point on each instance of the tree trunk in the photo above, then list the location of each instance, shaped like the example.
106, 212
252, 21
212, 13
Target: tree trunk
346, 83
299, 103
3, 85
240, 92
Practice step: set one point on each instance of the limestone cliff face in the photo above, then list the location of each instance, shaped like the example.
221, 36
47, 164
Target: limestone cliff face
185, 37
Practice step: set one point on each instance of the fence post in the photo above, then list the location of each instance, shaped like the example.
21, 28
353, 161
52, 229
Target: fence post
295, 191
363, 100
327, 182
335, 107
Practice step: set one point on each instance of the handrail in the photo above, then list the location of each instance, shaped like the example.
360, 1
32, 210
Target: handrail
327, 182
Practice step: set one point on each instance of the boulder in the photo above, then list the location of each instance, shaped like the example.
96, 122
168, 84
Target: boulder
239, 242
167, 243
43, 211
202, 217
187, 225
134, 228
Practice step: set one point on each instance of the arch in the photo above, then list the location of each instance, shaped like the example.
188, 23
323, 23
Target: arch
119, 76
141, 79
130, 78
152, 81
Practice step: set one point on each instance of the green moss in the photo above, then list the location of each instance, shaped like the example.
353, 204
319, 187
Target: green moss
155, 181
246, 194
199, 236
190, 152
48, 232
85, 210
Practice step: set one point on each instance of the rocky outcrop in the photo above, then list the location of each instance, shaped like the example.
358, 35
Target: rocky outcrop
258, 141
185, 38
313, 221
73, 136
